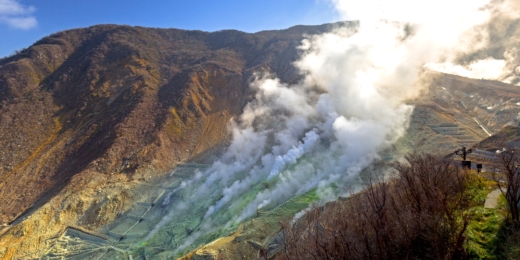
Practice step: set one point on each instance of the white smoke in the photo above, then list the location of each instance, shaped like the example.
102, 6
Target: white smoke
495, 17
482, 69
349, 105
294, 154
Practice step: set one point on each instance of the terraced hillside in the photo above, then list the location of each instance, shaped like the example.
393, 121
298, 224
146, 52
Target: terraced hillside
451, 115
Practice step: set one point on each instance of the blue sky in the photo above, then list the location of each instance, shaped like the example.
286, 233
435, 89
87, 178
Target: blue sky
23, 22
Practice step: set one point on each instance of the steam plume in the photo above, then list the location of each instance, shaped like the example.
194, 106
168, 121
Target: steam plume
349, 105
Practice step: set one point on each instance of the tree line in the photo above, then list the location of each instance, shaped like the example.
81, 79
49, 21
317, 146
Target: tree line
423, 212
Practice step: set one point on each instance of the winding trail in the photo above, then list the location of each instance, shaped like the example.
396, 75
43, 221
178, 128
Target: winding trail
492, 199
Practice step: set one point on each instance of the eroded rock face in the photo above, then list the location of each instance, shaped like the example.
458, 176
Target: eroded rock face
84, 109
205, 255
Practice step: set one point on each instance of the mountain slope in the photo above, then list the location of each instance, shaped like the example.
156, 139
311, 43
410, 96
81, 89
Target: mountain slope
92, 119
111, 102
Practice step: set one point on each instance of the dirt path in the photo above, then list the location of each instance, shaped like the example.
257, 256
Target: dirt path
492, 199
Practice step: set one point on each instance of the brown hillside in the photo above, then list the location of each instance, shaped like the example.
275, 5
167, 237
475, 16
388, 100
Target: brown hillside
91, 119
118, 99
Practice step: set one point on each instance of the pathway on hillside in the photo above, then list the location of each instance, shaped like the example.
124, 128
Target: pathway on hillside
492, 199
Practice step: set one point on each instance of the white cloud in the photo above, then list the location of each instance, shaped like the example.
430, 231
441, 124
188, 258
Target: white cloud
25, 23
17, 15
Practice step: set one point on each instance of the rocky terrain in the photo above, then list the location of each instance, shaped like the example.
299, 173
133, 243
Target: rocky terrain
116, 99
116, 105
92, 121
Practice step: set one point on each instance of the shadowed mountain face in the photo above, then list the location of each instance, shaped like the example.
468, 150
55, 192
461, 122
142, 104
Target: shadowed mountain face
117, 99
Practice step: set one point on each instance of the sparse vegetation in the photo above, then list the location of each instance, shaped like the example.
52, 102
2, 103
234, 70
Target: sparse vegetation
507, 177
430, 210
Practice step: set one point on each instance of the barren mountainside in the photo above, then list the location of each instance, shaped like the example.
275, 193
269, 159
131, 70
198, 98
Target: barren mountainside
110, 99
93, 119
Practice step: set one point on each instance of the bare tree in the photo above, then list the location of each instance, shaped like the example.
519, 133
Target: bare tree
507, 177
417, 215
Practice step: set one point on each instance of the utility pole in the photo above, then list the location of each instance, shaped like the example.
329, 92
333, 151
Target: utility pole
463, 153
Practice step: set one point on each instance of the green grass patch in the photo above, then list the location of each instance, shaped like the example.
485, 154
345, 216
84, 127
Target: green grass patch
487, 230
483, 233
477, 190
